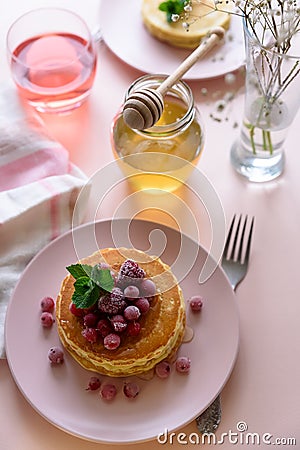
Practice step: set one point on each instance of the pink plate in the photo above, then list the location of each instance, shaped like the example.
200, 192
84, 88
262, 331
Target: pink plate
124, 33
58, 393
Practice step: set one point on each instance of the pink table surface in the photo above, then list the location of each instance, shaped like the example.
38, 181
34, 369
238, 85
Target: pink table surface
263, 390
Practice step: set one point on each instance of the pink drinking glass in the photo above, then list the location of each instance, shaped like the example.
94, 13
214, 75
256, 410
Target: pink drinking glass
52, 59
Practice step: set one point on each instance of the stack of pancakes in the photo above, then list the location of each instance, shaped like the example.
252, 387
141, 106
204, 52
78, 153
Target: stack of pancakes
203, 18
162, 327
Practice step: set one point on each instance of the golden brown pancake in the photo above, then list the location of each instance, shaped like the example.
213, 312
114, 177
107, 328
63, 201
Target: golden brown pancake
162, 327
173, 33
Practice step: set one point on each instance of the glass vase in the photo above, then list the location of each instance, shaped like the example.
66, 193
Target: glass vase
272, 99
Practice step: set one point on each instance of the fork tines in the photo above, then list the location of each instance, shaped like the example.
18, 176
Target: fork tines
234, 246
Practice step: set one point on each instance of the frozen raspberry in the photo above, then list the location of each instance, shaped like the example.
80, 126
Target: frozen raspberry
132, 292
163, 369
103, 327
196, 303
111, 341
47, 319
131, 390
56, 355
94, 384
119, 323
90, 334
108, 391
148, 288
133, 328
112, 303
90, 320
129, 273
132, 312
183, 364
78, 312
131, 269
142, 304
47, 304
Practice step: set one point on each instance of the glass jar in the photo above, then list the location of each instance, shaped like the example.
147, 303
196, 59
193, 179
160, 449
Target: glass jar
162, 157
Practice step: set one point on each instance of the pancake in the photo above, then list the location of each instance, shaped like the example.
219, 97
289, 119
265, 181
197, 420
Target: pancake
174, 33
162, 327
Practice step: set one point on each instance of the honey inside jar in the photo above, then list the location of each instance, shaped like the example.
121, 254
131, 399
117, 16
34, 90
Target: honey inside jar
162, 157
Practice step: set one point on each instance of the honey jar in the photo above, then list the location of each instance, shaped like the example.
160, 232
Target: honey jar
162, 157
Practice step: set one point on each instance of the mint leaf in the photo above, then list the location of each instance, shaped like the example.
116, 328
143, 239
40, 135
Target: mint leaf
80, 270
86, 292
171, 7
102, 278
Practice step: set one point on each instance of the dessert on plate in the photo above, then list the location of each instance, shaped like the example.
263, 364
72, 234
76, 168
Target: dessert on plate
132, 327
174, 33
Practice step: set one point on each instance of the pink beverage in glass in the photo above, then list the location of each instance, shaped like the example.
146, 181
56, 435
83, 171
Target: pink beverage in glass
54, 70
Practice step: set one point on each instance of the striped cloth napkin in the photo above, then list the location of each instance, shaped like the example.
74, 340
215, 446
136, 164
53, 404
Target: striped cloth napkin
38, 190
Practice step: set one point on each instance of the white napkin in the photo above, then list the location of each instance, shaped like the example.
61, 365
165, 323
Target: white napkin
38, 190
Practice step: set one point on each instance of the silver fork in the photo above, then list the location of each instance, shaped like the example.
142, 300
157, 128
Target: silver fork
235, 261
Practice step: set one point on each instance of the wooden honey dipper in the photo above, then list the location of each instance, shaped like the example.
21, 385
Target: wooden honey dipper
143, 108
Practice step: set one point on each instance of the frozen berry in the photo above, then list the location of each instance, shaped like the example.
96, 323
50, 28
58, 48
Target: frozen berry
163, 369
183, 364
78, 312
133, 328
196, 303
132, 312
111, 341
112, 303
148, 288
103, 327
131, 390
108, 391
119, 323
143, 305
94, 384
90, 320
132, 292
47, 319
129, 272
131, 269
47, 304
90, 334
56, 355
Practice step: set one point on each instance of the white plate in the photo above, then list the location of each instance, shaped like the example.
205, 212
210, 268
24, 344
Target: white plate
124, 33
58, 393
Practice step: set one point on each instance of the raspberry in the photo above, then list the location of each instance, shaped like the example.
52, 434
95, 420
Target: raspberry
131, 269
129, 272
112, 303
